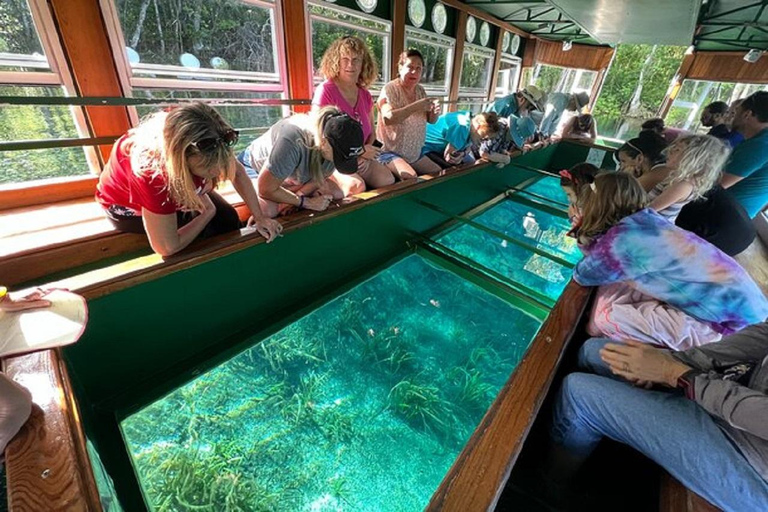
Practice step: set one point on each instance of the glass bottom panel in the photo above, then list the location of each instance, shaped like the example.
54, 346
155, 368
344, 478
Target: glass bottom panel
522, 266
363, 404
543, 230
550, 188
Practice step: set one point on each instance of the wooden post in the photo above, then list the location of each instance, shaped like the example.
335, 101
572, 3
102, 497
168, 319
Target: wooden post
599, 81
496, 66
85, 43
674, 88
399, 8
297, 50
458, 59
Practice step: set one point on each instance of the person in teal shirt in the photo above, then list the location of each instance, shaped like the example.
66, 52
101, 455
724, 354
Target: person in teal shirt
452, 135
519, 103
557, 103
746, 173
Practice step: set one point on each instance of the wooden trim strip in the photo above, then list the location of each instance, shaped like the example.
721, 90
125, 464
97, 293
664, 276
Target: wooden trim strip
399, 8
496, 65
458, 60
139, 270
297, 49
477, 478
47, 465
46, 192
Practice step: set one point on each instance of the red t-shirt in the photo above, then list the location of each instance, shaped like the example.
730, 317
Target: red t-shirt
120, 186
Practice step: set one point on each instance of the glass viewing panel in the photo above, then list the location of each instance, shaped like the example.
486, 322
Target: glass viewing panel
208, 39
20, 46
33, 122
520, 265
550, 188
364, 403
535, 227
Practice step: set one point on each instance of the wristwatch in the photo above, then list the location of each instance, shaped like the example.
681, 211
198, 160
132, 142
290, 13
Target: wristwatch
685, 383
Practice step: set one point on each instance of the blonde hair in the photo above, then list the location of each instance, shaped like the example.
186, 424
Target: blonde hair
313, 126
489, 120
331, 63
162, 143
610, 198
701, 164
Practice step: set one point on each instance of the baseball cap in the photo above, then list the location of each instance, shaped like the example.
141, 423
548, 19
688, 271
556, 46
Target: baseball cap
345, 135
520, 129
534, 95
582, 99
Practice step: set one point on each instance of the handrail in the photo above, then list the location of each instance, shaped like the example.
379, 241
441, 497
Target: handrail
119, 101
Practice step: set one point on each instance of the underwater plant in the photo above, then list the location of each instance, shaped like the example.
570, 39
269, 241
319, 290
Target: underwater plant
422, 404
183, 479
472, 393
338, 487
386, 349
291, 348
305, 396
336, 426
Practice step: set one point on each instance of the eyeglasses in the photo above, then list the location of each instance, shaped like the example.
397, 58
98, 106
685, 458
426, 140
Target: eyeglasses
211, 144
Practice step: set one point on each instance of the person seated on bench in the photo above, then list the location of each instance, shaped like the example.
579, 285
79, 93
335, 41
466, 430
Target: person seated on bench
514, 133
701, 414
449, 140
581, 127
161, 175
659, 284
293, 162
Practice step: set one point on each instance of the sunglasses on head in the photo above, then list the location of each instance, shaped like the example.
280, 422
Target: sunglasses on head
211, 144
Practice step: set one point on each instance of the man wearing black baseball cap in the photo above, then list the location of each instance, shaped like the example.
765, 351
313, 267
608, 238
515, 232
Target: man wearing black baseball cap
345, 135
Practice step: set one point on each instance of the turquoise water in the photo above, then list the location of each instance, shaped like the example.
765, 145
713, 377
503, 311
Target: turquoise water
533, 226
534, 271
550, 188
363, 404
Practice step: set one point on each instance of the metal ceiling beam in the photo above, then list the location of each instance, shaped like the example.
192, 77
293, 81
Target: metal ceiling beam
542, 13
508, 2
555, 22
738, 9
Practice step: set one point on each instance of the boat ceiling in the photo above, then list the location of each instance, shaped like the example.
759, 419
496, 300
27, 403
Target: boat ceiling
708, 24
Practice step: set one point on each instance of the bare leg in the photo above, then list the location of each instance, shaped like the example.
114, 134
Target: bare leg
426, 166
344, 185
401, 169
376, 175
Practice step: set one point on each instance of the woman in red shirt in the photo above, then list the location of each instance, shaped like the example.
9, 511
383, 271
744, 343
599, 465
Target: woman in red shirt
161, 175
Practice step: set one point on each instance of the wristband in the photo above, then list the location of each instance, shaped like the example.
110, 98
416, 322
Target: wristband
301, 201
3, 292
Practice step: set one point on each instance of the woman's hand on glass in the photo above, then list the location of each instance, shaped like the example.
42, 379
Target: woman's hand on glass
268, 228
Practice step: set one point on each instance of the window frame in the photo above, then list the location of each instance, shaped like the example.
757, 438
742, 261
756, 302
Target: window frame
130, 81
59, 75
579, 73
440, 41
387, 35
486, 53
515, 61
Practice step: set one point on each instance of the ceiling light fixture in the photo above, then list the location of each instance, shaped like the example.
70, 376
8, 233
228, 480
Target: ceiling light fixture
567, 45
753, 55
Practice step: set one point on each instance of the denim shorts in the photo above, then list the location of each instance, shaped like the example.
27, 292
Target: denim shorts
243, 158
387, 156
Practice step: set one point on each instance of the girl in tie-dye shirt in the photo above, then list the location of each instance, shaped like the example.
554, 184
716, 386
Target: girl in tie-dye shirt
658, 283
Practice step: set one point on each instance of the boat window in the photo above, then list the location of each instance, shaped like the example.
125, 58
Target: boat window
438, 58
32, 65
509, 75
330, 22
694, 95
475, 78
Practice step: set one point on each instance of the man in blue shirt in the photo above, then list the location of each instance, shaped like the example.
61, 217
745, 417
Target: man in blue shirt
746, 173
519, 103
451, 136
715, 117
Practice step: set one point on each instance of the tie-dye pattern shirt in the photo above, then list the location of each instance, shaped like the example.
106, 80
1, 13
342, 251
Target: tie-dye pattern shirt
675, 266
